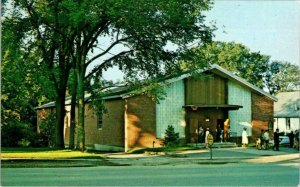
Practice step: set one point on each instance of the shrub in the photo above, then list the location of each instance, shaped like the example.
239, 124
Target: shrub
171, 138
47, 129
16, 134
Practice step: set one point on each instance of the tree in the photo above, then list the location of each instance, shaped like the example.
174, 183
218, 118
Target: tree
171, 138
141, 30
132, 36
23, 83
281, 76
234, 57
41, 30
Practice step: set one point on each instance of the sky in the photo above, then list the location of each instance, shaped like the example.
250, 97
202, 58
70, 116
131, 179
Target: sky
270, 27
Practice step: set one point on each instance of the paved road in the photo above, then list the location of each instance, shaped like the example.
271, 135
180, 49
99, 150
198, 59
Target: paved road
230, 167
237, 174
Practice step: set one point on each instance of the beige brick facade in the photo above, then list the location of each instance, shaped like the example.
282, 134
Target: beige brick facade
140, 122
112, 131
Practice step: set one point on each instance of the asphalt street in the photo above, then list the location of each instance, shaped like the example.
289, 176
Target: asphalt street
251, 168
245, 174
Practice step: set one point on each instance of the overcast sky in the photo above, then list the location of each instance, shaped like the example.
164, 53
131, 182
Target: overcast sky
271, 27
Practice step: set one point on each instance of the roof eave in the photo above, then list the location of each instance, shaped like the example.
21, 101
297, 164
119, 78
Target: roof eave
243, 81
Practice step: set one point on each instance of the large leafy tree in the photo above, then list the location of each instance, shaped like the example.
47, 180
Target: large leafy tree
275, 76
132, 35
41, 39
281, 76
234, 57
23, 84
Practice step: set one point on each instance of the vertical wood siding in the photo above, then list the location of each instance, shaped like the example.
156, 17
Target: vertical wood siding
169, 111
206, 90
238, 95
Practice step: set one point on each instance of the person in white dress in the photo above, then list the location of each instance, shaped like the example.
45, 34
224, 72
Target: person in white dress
206, 134
244, 137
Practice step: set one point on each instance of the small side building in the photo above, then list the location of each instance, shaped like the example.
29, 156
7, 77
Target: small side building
215, 97
287, 111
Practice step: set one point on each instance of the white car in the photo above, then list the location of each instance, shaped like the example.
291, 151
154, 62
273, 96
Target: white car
284, 140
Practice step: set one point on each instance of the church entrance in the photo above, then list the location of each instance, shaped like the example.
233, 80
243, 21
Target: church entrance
206, 119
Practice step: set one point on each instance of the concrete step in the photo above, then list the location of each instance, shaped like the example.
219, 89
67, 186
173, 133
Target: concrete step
215, 145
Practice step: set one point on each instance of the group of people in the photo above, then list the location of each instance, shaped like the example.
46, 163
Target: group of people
261, 143
202, 136
221, 135
265, 138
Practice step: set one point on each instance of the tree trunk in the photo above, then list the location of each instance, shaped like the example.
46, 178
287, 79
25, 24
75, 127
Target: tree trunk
81, 132
60, 118
80, 83
60, 103
73, 112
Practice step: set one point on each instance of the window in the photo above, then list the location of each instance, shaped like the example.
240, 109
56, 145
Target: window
288, 123
270, 124
100, 119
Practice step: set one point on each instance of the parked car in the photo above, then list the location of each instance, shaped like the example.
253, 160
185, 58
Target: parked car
284, 140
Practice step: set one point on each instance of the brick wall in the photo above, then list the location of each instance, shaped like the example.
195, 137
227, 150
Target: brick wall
140, 122
262, 112
112, 131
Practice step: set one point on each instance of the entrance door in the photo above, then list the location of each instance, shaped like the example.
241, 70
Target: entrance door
193, 127
220, 123
220, 130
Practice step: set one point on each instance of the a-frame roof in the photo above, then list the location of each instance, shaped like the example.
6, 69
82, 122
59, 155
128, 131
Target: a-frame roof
216, 69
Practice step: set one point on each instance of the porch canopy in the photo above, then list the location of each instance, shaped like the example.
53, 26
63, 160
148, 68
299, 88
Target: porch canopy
220, 106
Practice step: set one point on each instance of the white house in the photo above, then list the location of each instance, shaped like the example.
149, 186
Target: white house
287, 111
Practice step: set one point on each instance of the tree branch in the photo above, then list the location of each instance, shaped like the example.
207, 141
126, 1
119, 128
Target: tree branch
94, 37
107, 50
107, 61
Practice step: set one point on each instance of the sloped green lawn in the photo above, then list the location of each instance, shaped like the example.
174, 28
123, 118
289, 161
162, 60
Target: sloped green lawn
46, 153
45, 157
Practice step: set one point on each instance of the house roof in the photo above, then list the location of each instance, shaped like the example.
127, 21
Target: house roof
123, 91
110, 93
288, 105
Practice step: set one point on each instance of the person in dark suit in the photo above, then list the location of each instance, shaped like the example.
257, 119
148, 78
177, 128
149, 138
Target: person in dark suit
276, 140
291, 136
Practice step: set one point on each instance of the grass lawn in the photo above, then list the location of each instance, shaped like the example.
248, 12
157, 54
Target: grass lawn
46, 157
46, 153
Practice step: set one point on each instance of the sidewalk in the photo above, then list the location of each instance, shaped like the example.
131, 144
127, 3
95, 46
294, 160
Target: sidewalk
202, 156
191, 157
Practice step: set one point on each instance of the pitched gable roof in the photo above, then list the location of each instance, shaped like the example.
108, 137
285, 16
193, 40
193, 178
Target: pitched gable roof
288, 105
226, 74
